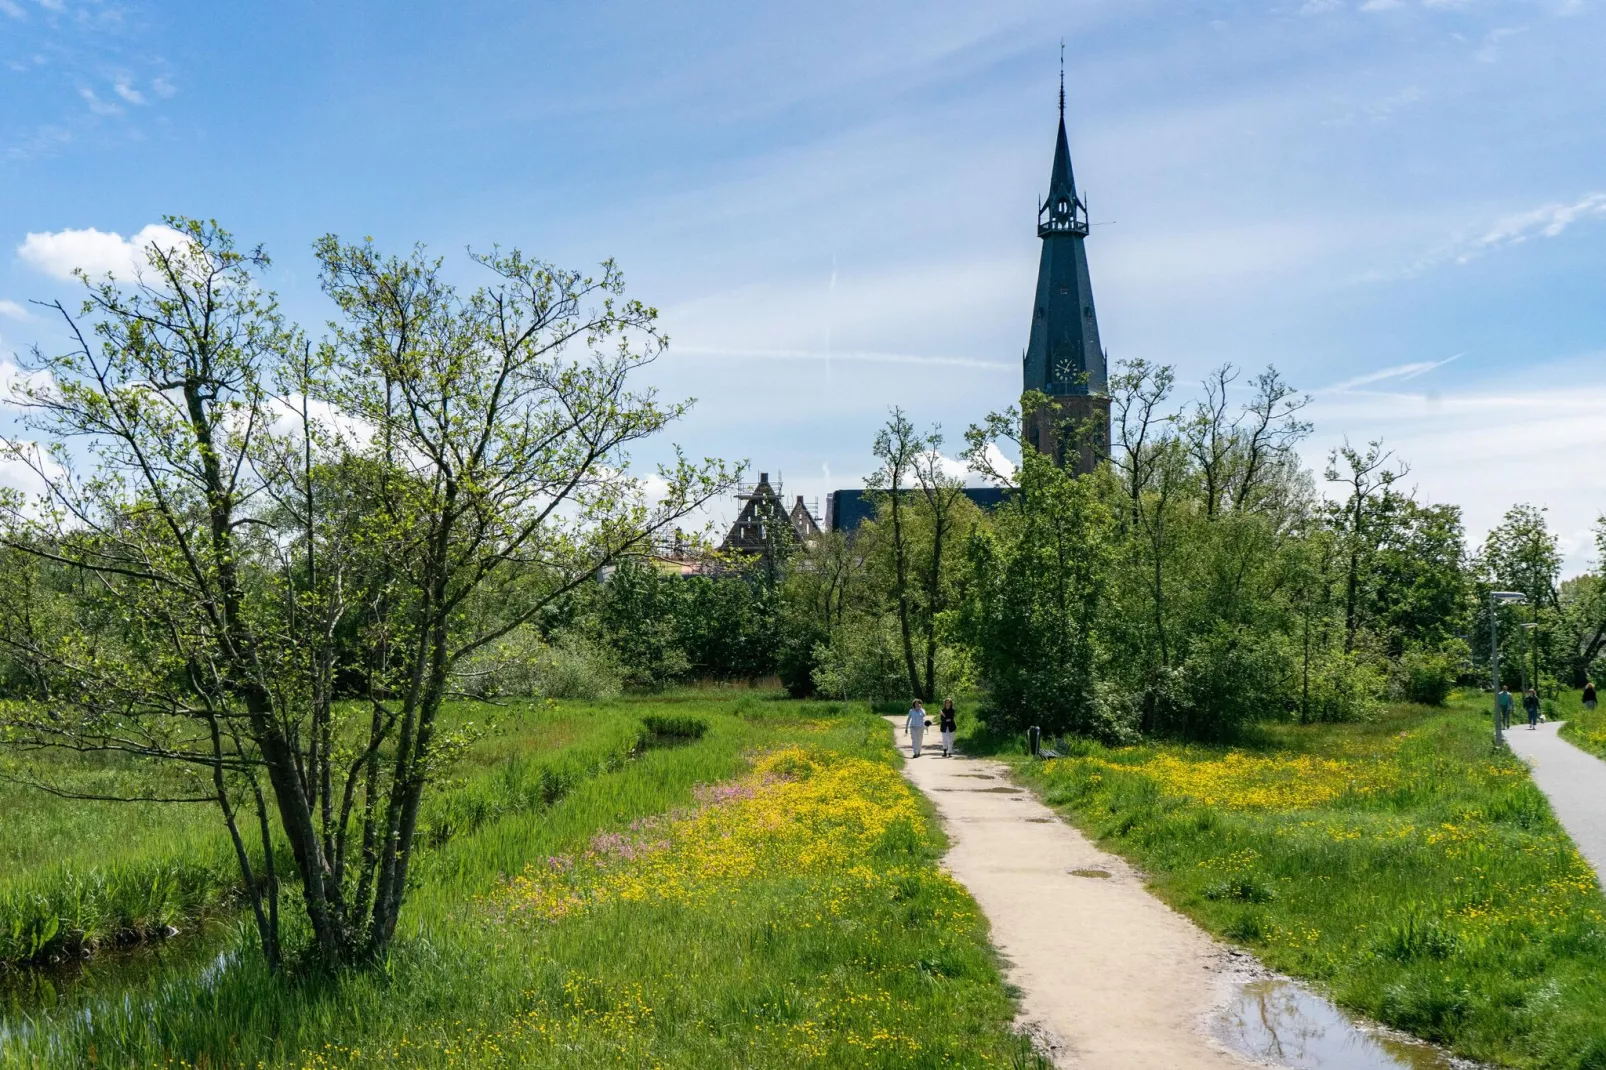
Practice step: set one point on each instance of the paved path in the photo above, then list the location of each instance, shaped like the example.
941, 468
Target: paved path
1574, 781
1118, 980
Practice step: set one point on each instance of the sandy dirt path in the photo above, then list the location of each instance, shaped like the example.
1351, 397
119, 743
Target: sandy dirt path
1118, 980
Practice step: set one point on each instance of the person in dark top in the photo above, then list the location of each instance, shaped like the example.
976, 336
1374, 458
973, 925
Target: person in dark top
949, 724
1589, 694
1530, 703
1503, 703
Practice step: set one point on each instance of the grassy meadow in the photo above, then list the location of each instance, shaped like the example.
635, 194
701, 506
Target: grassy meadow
1402, 865
1584, 728
596, 893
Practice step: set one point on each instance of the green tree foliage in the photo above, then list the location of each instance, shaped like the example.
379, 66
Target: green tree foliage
665, 628
1031, 611
1522, 554
254, 526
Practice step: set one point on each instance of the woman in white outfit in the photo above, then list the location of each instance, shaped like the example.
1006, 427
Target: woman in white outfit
915, 726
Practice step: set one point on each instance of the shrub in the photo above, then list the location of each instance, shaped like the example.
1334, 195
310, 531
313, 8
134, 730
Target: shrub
523, 665
1342, 687
1425, 676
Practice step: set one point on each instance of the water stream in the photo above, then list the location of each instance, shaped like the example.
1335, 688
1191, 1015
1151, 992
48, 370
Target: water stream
1283, 1024
33, 998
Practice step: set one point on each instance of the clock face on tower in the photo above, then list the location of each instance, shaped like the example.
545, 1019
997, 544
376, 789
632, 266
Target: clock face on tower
1065, 370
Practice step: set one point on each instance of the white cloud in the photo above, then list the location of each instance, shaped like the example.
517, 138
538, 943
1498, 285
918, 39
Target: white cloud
1545, 221
96, 252
98, 106
162, 87
128, 92
1401, 372
13, 311
53, 5
849, 355
1320, 7
1379, 5
13, 377
1489, 447
12, 9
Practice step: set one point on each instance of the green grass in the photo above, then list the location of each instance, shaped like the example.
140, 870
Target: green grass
78, 876
789, 967
1405, 867
1584, 728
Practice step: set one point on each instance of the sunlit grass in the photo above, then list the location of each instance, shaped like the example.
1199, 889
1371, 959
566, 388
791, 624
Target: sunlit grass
1410, 870
764, 896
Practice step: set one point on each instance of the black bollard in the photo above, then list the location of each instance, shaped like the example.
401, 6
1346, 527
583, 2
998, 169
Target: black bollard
1034, 740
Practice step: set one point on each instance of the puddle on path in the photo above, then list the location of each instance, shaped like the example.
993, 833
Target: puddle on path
1285, 1025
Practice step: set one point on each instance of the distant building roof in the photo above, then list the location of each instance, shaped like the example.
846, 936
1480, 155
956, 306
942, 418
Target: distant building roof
765, 525
845, 510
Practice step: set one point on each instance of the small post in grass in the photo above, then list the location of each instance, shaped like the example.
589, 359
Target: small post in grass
1495, 599
1034, 740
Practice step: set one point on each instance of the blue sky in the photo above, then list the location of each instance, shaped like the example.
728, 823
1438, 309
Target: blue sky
1402, 204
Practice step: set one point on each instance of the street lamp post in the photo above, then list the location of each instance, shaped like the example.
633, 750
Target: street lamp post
1495, 599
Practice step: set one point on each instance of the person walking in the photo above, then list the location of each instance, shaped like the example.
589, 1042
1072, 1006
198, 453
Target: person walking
1502, 704
916, 726
1530, 704
948, 722
1589, 694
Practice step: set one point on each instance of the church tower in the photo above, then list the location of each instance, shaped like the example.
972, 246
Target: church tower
1064, 359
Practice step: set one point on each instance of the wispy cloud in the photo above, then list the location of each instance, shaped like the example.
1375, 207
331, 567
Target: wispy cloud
12, 9
1398, 373
128, 92
13, 311
98, 106
1545, 221
1489, 52
851, 355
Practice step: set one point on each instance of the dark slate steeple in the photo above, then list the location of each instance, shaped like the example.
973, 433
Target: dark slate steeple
1064, 356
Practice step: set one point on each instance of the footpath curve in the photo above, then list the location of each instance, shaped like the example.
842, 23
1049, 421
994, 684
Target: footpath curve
1573, 780
1110, 977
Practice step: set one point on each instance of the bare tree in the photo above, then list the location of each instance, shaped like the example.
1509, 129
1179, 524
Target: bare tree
1137, 391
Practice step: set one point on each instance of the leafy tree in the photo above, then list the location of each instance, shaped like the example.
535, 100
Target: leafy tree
1359, 521
426, 483
1521, 554
1031, 611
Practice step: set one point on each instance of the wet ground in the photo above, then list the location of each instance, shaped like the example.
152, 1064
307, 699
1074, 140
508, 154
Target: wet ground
1280, 1024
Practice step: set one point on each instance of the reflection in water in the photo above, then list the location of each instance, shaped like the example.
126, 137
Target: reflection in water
32, 1000
1281, 1023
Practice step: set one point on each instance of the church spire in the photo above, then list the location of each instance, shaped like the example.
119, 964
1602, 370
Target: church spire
1064, 358
1063, 212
